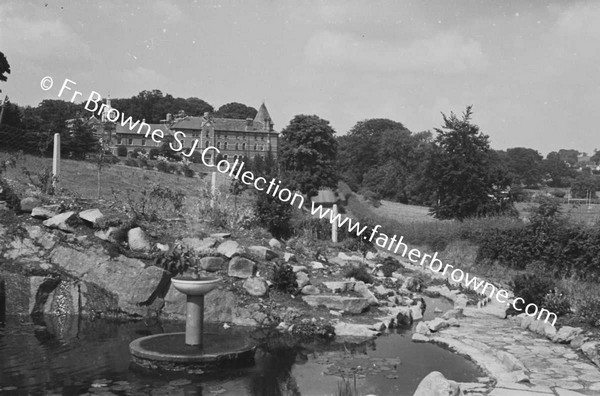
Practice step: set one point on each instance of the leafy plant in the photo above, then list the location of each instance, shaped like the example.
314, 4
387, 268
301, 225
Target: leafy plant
532, 288
176, 260
557, 302
589, 311
390, 265
284, 278
360, 274
152, 202
44, 180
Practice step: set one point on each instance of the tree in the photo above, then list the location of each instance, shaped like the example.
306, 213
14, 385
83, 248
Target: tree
569, 156
236, 110
467, 179
307, 154
4, 67
524, 165
356, 155
582, 185
556, 172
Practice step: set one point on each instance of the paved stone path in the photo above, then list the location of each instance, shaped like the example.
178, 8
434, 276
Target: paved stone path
523, 363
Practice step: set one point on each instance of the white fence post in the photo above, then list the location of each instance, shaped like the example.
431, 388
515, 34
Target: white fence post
334, 226
213, 189
56, 161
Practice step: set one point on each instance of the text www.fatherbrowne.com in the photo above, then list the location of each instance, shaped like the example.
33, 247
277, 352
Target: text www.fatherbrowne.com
285, 195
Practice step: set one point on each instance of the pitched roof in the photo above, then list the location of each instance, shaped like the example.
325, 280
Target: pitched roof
125, 129
220, 124
263, 114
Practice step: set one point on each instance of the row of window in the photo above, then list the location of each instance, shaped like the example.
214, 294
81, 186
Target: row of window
237, 137
242, 147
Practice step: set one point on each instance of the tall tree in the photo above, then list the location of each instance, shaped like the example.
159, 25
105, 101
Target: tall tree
525, 166
307, 154
556, 171
236, 110
4, 67
357, 153
467, 180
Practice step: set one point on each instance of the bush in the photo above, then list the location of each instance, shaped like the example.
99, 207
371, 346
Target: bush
557, 302
389, 266
187, 171
153, 153
284, 278
274, 214
360, 274
558, 193
152, 202
162, 166
121, 151
8, 195
532, 288
131, 162
589, 311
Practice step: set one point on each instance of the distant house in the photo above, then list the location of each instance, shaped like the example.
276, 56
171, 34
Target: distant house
128, 137
92, 122
234, 138
326, 198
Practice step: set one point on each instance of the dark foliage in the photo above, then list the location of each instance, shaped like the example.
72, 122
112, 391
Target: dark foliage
122, 151
532, 288
274, 215
284, 278
360, 274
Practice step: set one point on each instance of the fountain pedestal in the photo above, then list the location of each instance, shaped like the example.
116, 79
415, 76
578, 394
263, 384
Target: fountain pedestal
193, 349
194, 323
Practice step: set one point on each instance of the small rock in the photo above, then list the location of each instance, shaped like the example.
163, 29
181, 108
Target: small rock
435, 384
302, 279
456, 313
416, 312
422, 328
262, 252
353, 305
298, 268
230, 249
371, 256
287, 257
354, 330
45, 212
91, 215
578, 341
199, 245
220, 236
437, 324
241, 267
419, 338
212, 264
137, 240
453, 322
162, 248
107, 235
310, 290
566, 333
256, 286
29, 203
316, 265
274, 243
344, 256
592, 351
437, 310
335, 313
60, 221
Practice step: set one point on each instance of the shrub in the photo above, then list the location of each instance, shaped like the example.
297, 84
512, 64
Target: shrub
532, 288
122, 151
188, 172
42, 179
172, 168
162, 166
311, 228
153, 153
360, 274
558, 193
372, 198
274, 214
8, 195
284, 278
177, 260
131, 162
152, 202
390, 265
557, 302
589, 311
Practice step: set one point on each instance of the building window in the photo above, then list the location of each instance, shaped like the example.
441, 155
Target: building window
225, 157
206, 144
143, 142
243, 146
236, 147
119, 141
262, 138
218, 145
255, 146
235, 157
130, 141
225, 146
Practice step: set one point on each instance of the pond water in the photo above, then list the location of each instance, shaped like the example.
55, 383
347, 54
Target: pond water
67, 355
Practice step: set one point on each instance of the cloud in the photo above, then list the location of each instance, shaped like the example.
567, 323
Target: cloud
40, 38
580, 19
144, 79
169, 11
443, 53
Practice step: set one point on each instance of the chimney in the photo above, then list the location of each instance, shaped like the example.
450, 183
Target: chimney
249, 121
206, 114
169, 117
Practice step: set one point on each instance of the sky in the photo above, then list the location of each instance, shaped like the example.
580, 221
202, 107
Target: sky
529, 68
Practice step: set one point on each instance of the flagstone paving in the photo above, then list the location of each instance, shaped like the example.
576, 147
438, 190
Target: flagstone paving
522, 362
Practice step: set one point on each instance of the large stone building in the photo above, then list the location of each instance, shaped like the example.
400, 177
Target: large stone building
233, 137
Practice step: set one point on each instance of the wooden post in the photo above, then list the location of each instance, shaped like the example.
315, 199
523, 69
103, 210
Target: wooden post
213, 189
334, 226
56, 161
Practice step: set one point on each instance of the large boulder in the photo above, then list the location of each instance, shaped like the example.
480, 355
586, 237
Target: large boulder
92, 216
363, 290
256, 287
230, 248
133, 284
566, 333
592, 351
212, 264
199, 245
61, 221
29, 203
45, 212
353, 305
310, 290
241, 267
137, 240
422, 328
274, 243
456, 313
435, 384
263, 253
437, 324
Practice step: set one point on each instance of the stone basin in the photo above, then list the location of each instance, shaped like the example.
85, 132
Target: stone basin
195, 287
